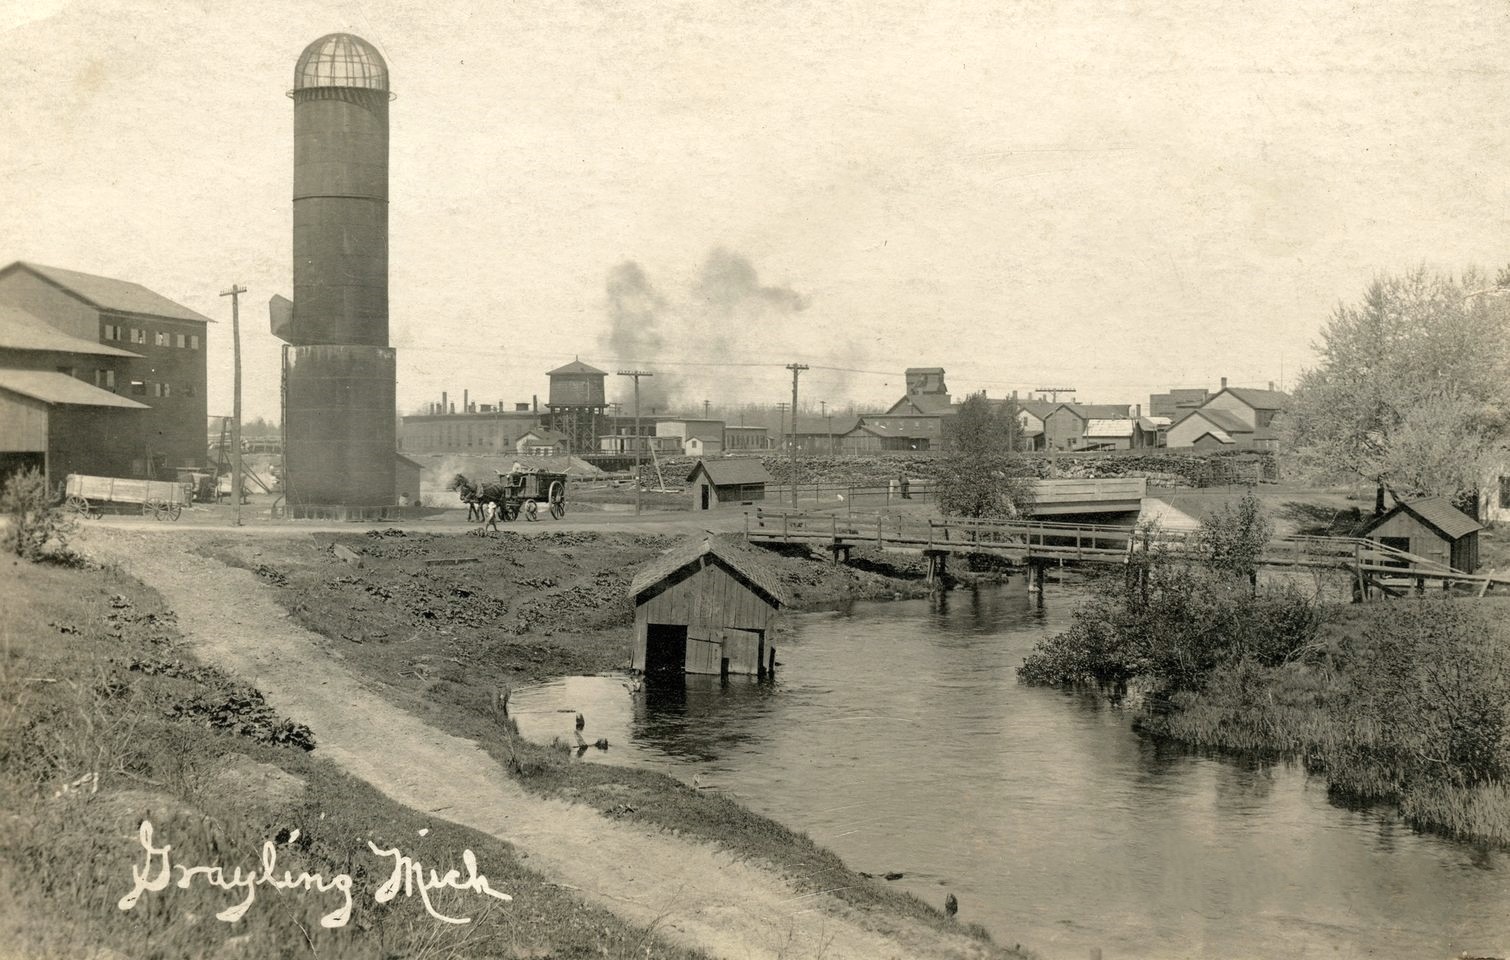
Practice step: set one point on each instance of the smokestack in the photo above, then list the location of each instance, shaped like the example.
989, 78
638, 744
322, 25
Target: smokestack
453, 409
1271, 386
1137, 410
466, 403
535, 402
444, 406
1224, 383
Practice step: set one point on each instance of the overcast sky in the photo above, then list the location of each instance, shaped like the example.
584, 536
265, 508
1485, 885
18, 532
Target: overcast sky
1116, 197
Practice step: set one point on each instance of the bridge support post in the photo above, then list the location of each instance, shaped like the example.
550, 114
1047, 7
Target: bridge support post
1036, 574
938, 565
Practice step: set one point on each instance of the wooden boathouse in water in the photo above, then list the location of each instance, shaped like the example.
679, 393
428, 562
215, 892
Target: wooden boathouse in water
705, 607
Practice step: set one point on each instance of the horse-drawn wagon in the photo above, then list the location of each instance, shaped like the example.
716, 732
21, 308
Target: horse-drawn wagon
159, 499
526, 492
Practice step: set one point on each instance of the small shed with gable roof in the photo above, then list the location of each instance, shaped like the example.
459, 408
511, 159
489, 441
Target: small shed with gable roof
705, 607
715, 482
1432, 529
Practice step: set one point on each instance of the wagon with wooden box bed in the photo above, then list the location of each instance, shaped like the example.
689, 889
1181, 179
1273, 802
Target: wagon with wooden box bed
159, 499
530, 491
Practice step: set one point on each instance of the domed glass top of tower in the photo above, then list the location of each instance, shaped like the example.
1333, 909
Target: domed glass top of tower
341, 60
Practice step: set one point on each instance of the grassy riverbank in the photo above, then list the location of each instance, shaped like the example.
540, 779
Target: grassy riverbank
1404, 702
106, 719
446, 642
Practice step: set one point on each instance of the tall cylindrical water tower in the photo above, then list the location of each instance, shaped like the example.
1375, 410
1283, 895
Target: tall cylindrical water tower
338, 373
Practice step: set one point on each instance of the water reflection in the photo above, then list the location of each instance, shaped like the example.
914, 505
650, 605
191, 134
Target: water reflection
897, 735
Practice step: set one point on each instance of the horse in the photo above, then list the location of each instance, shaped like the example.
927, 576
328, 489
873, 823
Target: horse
475, 496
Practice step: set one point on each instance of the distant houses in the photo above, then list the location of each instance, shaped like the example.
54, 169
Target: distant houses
1232, 418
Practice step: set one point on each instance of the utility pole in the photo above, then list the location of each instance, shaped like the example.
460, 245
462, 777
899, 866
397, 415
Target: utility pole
235, 294
796, 369
639, 441
781, 429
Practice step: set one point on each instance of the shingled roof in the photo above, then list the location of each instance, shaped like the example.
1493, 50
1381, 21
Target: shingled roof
107, 293
1437, 513
738, 558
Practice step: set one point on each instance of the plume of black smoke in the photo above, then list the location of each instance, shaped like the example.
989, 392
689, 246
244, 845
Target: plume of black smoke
634, 336
719, 319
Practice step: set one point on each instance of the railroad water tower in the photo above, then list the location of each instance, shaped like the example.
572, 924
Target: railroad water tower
340, 443
577, 404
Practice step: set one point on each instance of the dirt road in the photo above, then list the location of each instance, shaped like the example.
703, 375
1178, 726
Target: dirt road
689, 892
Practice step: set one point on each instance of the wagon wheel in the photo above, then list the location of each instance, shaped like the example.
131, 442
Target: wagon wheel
558, 499
149, 508
510, 511
174, 511
531, 511
79, 505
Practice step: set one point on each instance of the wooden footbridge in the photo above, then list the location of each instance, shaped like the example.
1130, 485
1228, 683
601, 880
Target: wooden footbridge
1040, 544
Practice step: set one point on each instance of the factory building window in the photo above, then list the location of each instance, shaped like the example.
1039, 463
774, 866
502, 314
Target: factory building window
193, 341
180, 341
138, 388
188, 390
138, 335
161, 339
113, 331
104, 379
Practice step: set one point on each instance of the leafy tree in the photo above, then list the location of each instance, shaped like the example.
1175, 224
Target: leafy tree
981, 474
1409, 389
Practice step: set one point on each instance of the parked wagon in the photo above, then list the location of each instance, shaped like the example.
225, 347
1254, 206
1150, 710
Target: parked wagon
525, 491
159, 499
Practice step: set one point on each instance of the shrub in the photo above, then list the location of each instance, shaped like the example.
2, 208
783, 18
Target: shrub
1427, 697
38, 529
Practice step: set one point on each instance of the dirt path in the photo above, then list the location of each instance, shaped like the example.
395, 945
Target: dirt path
689, 892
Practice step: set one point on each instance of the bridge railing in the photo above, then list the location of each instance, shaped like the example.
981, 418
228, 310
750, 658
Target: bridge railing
1089, 541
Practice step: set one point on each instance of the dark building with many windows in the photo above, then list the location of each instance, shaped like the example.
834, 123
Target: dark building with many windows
120, 339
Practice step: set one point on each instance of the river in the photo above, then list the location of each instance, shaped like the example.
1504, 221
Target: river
898, 736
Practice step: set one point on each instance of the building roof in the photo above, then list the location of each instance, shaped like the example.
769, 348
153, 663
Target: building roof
1436, 512
735, 470
1038, 408
1154, 423
341, 60
1109, 428
1096, 411
543, 433
1229, 422
50, 386
105, 293
576, 366
823, 426
927, 405
1260, 399
1220, 436
736, 557
20, 330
